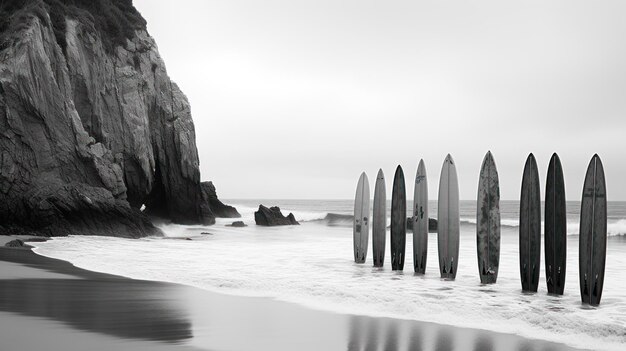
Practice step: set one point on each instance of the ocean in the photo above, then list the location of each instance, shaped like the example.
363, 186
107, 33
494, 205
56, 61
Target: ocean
312, 264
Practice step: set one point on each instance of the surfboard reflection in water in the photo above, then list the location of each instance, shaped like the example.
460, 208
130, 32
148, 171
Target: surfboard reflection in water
483, 344
369, 333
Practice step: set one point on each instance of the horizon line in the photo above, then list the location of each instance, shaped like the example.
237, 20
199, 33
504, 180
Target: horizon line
388, 199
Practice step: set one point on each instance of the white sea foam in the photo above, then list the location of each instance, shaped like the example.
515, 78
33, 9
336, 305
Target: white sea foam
614, 227
311, 264
503, 222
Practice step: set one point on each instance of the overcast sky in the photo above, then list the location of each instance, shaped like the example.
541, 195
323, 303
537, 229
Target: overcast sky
294, 99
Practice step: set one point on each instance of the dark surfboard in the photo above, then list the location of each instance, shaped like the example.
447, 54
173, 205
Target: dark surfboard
555, 233
592, 249
360, 227
488, 221
398, 221
379, 220
448, 225
420, 219
530, 227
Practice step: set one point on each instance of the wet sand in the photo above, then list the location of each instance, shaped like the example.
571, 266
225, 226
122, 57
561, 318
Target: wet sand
50, 304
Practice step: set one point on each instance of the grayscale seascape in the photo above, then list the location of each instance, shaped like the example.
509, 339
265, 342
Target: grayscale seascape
295, 175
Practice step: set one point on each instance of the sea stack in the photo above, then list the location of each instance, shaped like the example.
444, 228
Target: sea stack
272, 216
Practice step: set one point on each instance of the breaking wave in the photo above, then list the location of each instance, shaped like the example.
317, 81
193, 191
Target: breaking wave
614, 227
334, 220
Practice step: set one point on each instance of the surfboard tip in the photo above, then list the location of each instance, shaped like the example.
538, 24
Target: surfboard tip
489, 157
598, 160
421, 165
363, 176
595, 159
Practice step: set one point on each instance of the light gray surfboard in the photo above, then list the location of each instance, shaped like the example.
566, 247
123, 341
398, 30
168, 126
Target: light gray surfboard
488, 221
530, 227
448, 220
593, 231
379, 220
398, 221
420, 219
360, 227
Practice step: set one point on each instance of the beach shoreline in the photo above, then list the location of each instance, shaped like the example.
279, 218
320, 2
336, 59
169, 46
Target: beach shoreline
132, 314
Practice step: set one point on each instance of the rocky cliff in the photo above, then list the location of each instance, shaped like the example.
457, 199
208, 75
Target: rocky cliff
91, 127
212, 205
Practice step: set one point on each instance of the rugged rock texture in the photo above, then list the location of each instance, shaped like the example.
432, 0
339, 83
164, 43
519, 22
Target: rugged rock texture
212, 206
273, 217
15, 243
91, 126
237, 224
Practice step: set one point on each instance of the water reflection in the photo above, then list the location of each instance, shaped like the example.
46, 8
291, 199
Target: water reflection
415, 338
391, 339
98, 303
369, 333
483, 343
444, 341
356, 330
525, 347
373, 334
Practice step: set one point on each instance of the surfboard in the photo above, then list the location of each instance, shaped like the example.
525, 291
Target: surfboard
420, 219
379, 220
555, 232
488, 221
360, 226
448, 216
398, 221
593, 231
530, 227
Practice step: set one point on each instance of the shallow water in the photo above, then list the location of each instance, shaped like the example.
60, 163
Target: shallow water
312, 264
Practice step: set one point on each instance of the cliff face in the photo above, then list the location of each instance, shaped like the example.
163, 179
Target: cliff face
89, 127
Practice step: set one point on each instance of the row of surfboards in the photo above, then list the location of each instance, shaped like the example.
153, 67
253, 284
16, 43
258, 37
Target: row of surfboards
593, 224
